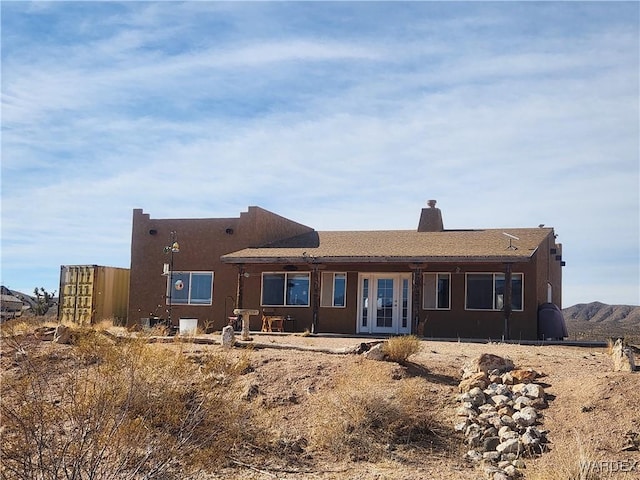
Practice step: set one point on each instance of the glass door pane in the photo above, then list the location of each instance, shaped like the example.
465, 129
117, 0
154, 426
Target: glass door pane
385, 302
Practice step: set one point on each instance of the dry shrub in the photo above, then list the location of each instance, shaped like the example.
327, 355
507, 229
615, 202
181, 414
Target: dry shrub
367, 414
399, 349
116, 411
576, 458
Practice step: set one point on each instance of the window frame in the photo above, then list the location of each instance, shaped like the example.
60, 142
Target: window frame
285, 293
170, 282
436, 285
329, 281
494, 277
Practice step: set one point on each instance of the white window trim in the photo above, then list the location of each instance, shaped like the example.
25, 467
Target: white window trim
332, 285
286, 274
424, 274
189, 304
494, 309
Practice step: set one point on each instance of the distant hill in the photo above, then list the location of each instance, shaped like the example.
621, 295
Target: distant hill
599, 321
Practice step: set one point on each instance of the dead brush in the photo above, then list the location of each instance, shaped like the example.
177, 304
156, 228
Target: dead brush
139, 411
365, 414
399, 349
576, 458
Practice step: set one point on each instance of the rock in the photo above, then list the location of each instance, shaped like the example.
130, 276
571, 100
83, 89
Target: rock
473, 455
375, 353
511, 445
491, 471
533, 390
476, 396
473, 429
478, 379
464, 411
529, 440
521, 402
475, 440
500, 476
488, 362
506, 410
497, 389
462, 426
62, 335
525, 417
507, 421
510, 435
500, 400
491, 443
491, 456
228, 337
511, 471
539, 403
524, 375
489, 432
490, 418
487, 408
623, 358
250, 392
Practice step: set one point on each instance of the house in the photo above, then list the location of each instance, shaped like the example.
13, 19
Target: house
482, 283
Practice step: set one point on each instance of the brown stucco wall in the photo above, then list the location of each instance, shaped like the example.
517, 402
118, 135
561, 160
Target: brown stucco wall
202, 243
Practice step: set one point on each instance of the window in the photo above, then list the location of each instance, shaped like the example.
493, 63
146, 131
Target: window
436, 291
285, 289
190, 288
485, 291
334, 289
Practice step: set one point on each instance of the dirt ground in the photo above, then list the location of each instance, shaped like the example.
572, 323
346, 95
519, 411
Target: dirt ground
593, 411
592, 415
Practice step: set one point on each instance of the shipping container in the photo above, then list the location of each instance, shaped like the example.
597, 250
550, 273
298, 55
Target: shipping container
91, 293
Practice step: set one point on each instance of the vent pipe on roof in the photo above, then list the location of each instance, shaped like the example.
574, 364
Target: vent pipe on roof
431, 219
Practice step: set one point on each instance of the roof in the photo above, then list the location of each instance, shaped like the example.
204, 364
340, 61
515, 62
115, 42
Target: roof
399, 246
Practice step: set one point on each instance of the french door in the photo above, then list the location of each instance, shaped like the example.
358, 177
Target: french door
384, 303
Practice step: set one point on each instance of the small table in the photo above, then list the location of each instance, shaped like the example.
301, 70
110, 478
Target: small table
272, 323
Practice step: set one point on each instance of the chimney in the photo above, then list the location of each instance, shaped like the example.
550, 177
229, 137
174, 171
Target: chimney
431, 219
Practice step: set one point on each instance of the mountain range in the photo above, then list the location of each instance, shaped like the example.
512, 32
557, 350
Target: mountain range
599, 321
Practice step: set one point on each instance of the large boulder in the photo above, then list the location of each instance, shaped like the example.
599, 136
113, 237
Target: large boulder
486, 363
228, 337
623, 358
375, 353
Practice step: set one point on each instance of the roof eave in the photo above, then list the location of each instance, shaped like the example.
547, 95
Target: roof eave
369, 259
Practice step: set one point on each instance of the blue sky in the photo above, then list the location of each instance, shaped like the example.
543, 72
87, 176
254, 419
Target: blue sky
341, 116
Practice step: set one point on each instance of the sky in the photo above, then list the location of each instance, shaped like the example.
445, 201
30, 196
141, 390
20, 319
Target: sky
337, 115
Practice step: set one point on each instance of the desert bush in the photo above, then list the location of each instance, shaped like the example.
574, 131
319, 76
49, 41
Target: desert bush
399, 349
363, 415
116, 411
